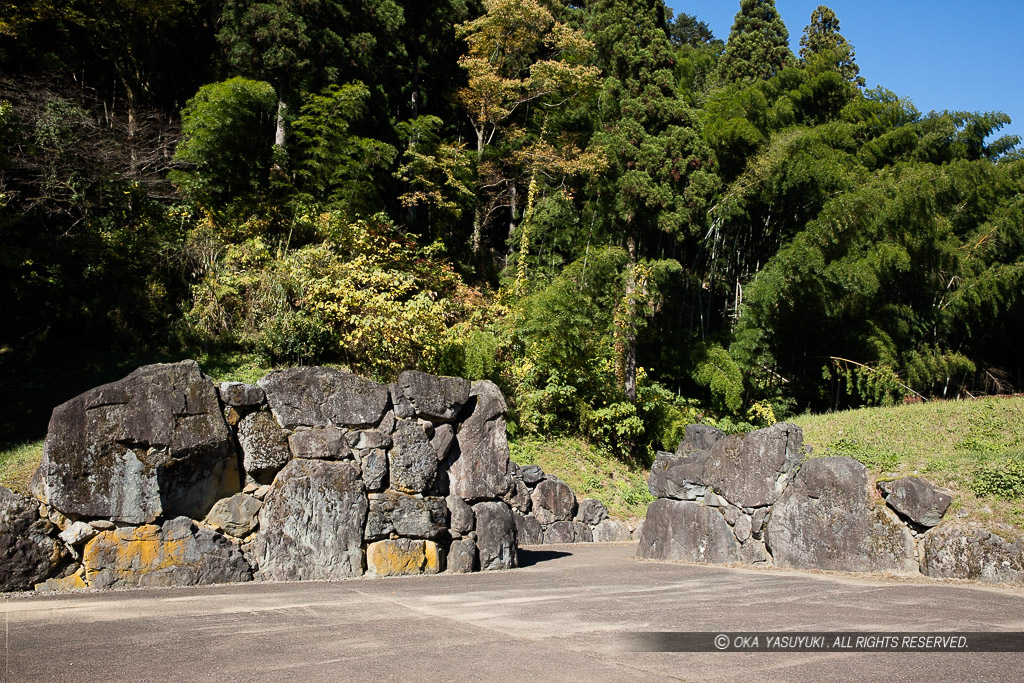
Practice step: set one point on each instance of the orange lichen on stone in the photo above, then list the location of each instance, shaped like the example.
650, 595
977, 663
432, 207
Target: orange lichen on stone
403, 556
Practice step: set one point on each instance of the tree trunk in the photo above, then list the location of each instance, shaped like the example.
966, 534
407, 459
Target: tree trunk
629, 334
279, 131
478, 218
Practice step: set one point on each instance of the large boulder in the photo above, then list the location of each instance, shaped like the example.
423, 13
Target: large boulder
686, 531
553, 501
154, 444
751, 470
825, 520
438, 399
318, 397
961, 551
479, 465
410, 516
178, 553
311, 523
28, 551
462, 556
495, 536
264, 446
916, 500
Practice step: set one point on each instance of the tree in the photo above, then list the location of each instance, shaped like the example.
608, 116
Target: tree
822, 46
661, 171
758, 46
226, 161
686, 29
517, 55
305, 45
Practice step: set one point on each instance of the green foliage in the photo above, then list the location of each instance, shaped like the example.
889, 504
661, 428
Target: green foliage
225, 161
823, 47
716, 371
758, 46
1002, 479
366, 297
333, 166
18, 464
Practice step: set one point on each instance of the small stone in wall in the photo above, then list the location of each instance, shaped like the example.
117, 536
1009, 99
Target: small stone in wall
79, 532
742, 528
553, 501
754, 552
235, 516
558, 532
591, 512
404, 557
392, 512
528, 530
581, 533
531, 475
518, 497
241, 395
264, 446
435, 398
320, 443
680, 477
916, 499
442, 440
611, 531
375, 468
462, 556
461, 515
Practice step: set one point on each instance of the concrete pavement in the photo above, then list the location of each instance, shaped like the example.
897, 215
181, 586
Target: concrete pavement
560, 618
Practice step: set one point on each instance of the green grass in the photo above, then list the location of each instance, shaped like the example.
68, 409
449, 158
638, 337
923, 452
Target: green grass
974, 448
18, 464
590, 472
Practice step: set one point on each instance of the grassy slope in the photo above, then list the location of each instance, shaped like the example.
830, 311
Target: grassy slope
945, 442
589, 472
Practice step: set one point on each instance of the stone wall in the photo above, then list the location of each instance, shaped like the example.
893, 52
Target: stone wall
164, 478
757, 499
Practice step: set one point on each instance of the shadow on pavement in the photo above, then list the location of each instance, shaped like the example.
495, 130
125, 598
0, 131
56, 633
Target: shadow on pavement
528, 558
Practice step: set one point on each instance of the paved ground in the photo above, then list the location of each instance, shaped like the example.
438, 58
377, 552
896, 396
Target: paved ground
561, 618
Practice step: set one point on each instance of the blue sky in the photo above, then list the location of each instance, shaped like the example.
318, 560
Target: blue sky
940, 54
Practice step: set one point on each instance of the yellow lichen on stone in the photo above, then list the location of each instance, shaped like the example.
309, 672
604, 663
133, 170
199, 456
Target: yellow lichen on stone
434, 555
403, 556
132, 552
68, 583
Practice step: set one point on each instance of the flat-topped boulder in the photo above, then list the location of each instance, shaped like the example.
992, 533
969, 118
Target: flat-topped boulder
751, 470
431, 397
320, 397
154, 444
964, 551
